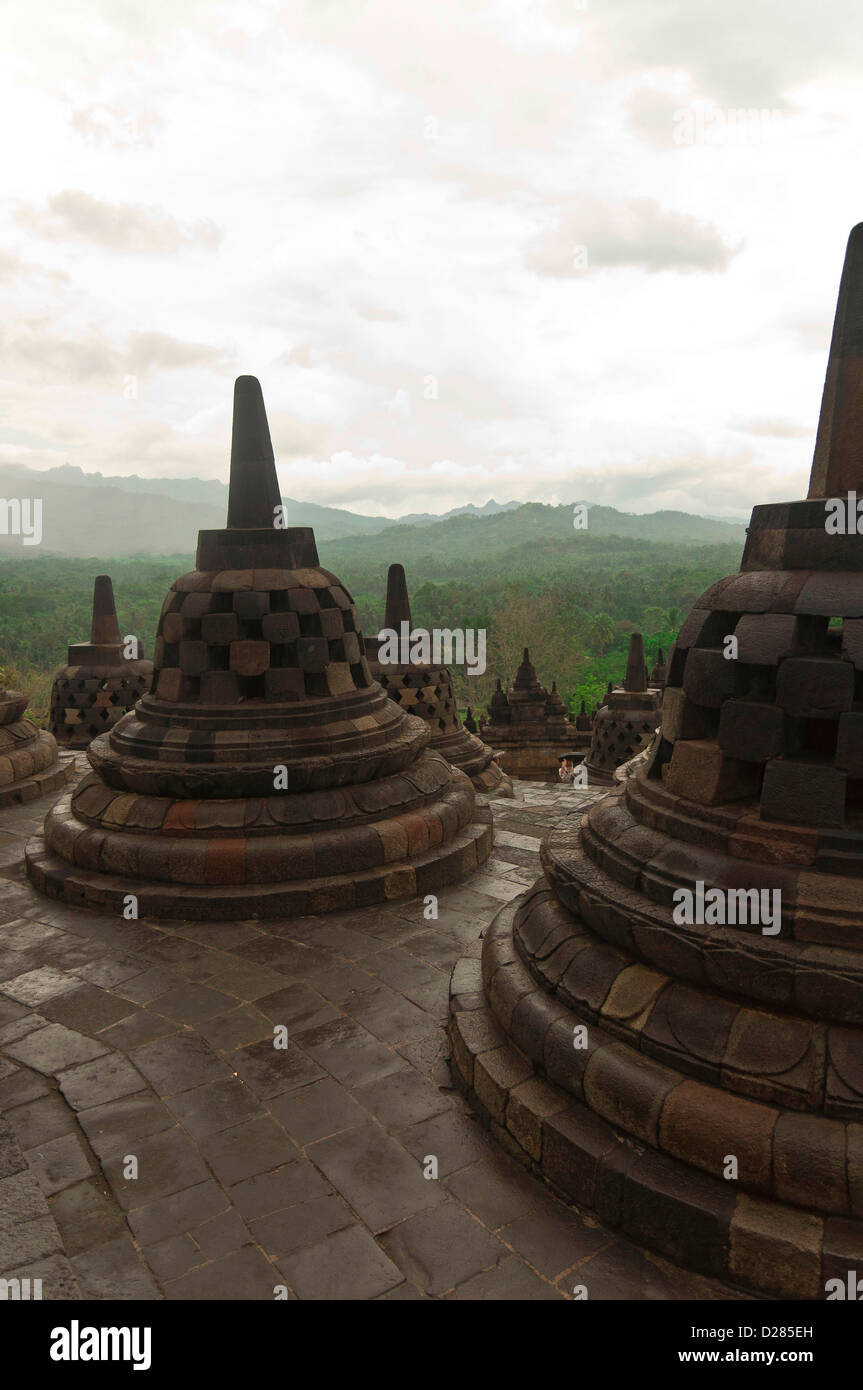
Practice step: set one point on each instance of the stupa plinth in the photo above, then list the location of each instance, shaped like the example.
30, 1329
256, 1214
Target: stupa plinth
426, 690
626, 722
30, 765
694, 1074
528, 724
100, 683
266, 773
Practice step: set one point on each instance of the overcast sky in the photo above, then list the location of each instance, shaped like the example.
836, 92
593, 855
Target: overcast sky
521, 249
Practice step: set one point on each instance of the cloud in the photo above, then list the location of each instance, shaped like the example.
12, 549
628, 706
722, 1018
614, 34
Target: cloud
76, 216
595, 235
147, 353
98, 124
34, 351
774, 429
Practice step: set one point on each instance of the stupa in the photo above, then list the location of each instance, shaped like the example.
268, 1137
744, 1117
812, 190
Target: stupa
469, 721
695, 1076
528, 725
626, 722
100, 683
659, 673
30, 765
426, 690
266, 774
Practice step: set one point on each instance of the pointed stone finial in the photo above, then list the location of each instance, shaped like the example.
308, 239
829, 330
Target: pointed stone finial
398, 604
254, 487
525, 657
837, 465
660, 657
104, 628
636, 671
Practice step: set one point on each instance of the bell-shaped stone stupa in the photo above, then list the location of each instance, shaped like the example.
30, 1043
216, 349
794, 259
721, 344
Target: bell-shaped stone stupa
704, 926
266, 774
626, 722
528, 725
100, 682
30, 766
426, 690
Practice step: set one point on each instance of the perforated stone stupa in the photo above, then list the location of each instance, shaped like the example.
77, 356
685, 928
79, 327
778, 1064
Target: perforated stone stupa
726, 1033
626, 722
528, 725
100, 683
30, 765
266, 774
427, 691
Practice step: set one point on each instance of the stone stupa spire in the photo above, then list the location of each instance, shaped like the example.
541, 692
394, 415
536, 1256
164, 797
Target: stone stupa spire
837, 464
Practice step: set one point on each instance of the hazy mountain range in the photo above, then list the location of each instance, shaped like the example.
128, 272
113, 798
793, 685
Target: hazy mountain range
88, 514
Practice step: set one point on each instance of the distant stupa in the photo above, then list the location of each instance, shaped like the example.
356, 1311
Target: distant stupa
100, 683
426, 690
529, 725
626, 722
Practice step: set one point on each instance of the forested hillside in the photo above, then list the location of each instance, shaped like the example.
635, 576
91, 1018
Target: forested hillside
526, 576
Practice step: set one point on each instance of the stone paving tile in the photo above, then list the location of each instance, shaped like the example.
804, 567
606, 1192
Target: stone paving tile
137, 1029
246, 1149
35, 987
347, 1265
318, 1110
57, 1275
388, 1016
282, 1232
297, 1007
244, 1275
89, 1008
192, 1003
553, 1239
36, 1121
177, 1064
86, 1215
496, 1190
181, 1211
53, 1048
121, 1123
349, 1052
270, 1071
510, 1281
95, 1083
216, 1106
167, 1163
375, 1175
235, 1029
245, 981
25, 1022
221, 1234
440, 1249
114, 1271
59, 1163
402, 1099
20, 1086
294, 1182
455, 1139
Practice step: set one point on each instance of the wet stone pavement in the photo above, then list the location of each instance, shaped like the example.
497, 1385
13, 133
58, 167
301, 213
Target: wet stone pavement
260, 1169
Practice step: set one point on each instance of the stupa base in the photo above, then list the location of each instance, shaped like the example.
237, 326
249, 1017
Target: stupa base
30, 765
514, 1058
79, 887
534, 761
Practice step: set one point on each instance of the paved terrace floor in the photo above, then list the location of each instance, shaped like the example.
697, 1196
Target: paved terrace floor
260, 1167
